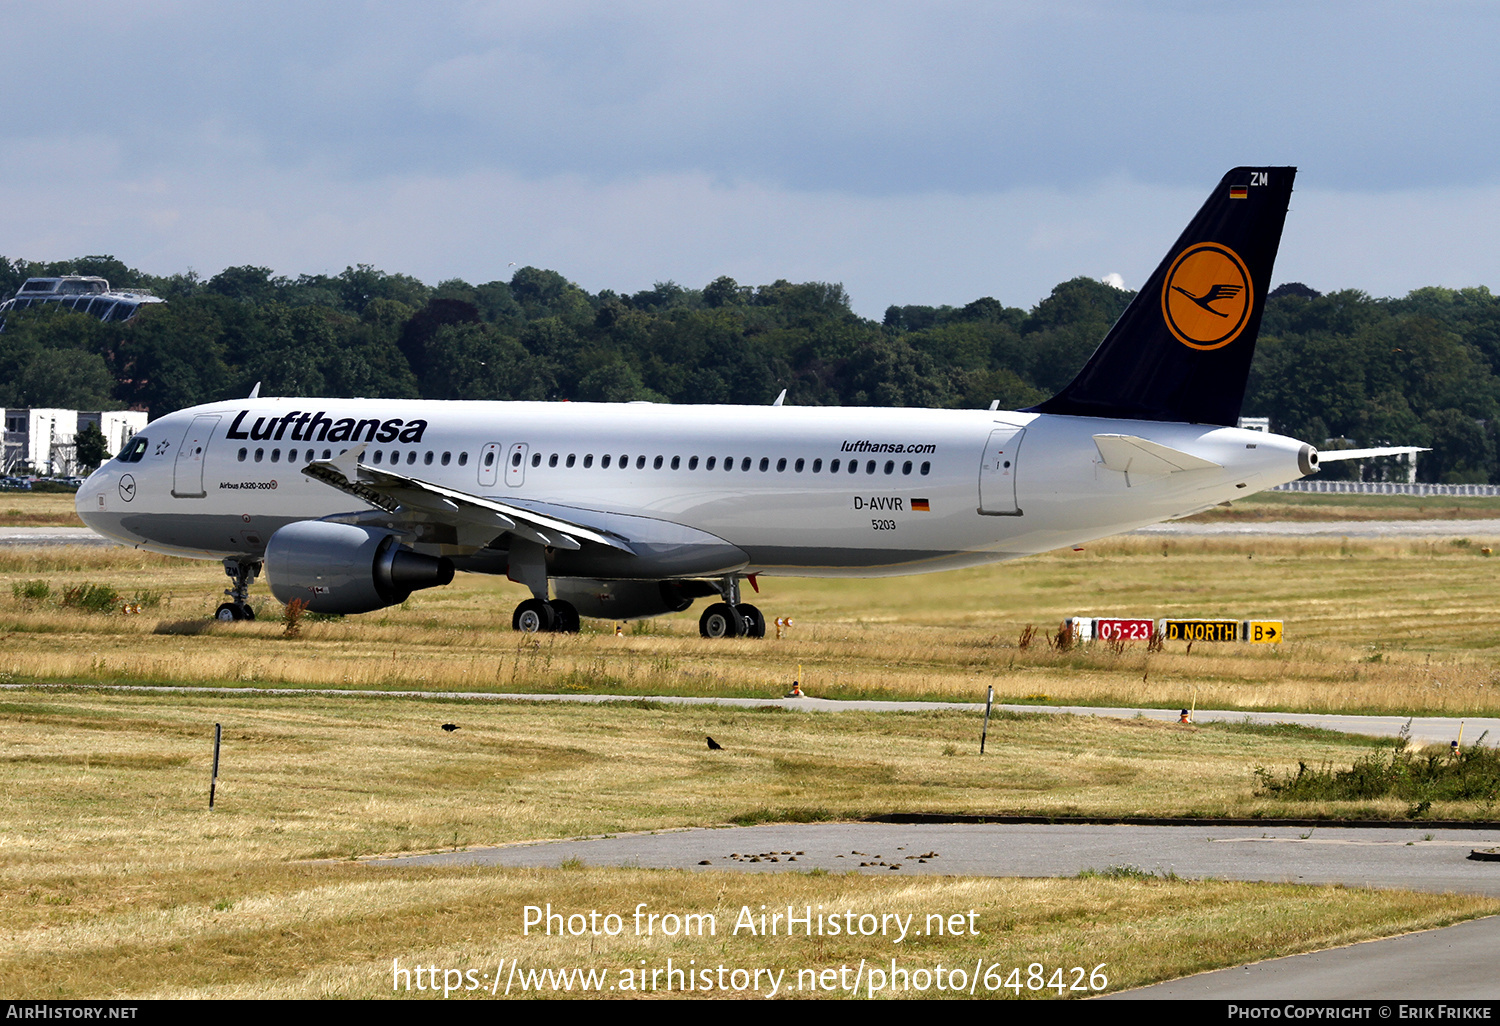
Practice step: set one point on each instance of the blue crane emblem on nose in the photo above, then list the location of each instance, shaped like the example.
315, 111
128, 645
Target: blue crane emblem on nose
127, 487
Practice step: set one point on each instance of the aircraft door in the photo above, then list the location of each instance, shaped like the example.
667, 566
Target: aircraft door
997, 473
515, 465
187, 471
489, 464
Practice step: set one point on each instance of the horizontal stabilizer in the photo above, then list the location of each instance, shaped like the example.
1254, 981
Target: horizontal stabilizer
1366, 454
1132, 455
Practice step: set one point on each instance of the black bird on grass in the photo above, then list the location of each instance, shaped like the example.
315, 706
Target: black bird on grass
450, 727
714, 746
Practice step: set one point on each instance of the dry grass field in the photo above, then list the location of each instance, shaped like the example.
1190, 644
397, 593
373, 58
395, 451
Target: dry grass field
1372, 626
115, 879
38, 509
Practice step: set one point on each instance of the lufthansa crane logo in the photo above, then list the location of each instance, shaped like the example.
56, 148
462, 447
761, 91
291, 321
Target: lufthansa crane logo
1207, 297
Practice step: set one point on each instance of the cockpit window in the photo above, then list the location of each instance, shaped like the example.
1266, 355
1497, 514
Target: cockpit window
134, 451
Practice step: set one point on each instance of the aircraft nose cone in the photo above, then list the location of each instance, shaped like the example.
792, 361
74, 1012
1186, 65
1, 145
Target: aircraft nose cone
83, 496
86, 501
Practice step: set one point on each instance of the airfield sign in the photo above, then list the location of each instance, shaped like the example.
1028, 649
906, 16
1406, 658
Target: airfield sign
1262, 632
1200, 630
1123, 629
1133, 628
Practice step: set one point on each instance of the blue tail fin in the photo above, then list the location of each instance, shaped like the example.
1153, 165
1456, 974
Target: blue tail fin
1181, 351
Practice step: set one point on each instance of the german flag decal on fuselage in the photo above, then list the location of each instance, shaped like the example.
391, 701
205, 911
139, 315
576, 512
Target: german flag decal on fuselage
1208, 295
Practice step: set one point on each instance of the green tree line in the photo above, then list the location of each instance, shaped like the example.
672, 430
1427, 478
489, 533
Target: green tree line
1342, 368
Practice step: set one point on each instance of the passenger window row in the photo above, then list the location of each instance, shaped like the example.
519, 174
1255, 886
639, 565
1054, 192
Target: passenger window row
308, 455
798, 466
607, 460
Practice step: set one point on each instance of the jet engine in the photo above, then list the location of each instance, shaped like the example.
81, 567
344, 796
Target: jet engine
629, 600
339, 568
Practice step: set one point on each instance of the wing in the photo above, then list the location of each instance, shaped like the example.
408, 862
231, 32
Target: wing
408, 497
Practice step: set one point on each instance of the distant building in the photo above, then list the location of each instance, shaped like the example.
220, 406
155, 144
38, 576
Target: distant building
78, 294
43, 440
30, 436
117, 426
1256, 424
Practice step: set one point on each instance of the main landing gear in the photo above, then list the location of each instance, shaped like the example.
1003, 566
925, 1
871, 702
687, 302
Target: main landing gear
732, 618
536, 616
720, 621
243, 572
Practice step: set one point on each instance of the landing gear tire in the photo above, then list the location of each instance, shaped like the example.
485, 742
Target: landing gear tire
755, 623
720, 621
228, 612
565, 617
534, 617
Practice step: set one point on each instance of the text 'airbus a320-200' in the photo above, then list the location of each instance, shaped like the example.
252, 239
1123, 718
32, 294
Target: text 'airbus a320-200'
622, 511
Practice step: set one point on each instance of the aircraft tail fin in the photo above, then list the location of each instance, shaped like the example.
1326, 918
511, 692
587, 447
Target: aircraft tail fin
1181, 351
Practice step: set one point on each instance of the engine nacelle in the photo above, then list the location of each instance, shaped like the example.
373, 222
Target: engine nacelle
339, 568
629, 600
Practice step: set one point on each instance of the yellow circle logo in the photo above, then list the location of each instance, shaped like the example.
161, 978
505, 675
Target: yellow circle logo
1207, 296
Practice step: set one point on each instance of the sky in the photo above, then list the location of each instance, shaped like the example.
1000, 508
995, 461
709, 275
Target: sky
919, 153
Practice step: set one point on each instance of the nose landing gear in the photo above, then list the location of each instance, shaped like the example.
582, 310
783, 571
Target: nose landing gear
243, 572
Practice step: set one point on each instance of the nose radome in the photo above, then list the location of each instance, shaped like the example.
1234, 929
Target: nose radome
86, 501
83, 500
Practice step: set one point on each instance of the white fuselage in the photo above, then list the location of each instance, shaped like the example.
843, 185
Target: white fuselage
811, 491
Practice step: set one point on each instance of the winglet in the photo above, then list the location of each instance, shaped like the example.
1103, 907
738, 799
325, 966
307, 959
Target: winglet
254, 392
780, 398
346, 466
347, 462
